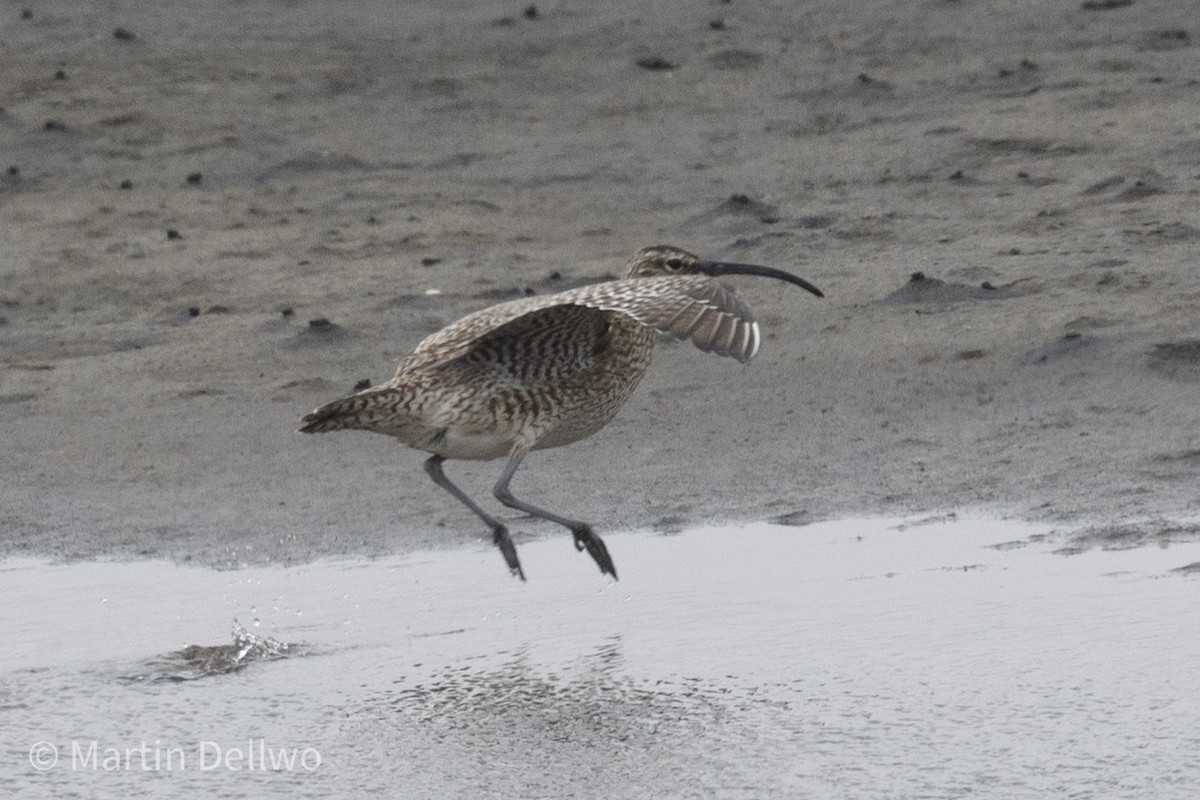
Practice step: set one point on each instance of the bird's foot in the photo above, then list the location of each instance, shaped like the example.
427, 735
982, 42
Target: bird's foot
585, 539
502, 540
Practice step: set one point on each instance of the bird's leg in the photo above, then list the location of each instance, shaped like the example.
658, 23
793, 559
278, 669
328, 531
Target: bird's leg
585, 537
500, 535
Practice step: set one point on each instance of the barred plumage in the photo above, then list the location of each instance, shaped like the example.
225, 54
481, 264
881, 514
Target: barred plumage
547, 371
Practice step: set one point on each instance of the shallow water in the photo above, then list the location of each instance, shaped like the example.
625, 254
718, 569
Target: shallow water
850, 659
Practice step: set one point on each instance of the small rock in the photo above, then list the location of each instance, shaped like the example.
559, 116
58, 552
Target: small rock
656, 64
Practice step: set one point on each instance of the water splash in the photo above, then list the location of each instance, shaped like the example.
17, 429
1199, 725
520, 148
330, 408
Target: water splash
204, 661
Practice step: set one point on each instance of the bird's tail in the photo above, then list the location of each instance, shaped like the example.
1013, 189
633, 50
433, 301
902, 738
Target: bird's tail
358, 411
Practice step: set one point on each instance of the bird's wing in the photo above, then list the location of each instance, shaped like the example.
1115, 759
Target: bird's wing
692, 307
526, 331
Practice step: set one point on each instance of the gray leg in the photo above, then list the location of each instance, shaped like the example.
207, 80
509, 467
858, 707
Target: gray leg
585, 537
500, 535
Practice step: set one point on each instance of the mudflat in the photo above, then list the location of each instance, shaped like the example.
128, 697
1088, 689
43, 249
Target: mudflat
215, 216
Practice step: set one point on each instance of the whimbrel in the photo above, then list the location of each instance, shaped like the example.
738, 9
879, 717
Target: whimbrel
547, 371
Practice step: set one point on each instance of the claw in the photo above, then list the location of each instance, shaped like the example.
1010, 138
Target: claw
503, 540
585, 538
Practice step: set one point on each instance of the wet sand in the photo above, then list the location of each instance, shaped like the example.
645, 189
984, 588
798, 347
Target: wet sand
186, 188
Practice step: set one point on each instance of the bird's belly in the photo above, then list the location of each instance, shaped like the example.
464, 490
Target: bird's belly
471, 445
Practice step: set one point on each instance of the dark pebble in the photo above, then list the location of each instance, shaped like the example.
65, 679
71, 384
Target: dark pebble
126, 184
26, 13
320, 323
60, 75
193, 311
531, 12
54, 125
717, 24
173, 234
957, 175
287, 313
363, 383
656, 64
14, 170
195, 178
429, 261
124, 35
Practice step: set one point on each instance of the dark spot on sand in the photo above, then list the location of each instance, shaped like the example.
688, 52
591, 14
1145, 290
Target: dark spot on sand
363, 383
126, 184
195, 178
1103, 186
744, 204
123, 35
193, 311
320, 324
429, 261
287, 313
60, 75
26, 13
816, 222
656, 64
173, 234
794, 518
531, 12
54, 125
1179, 360
1104, 5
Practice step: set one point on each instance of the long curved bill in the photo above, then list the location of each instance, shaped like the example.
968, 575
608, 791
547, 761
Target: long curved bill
728, 268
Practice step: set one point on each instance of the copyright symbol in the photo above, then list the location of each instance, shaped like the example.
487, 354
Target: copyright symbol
43, 756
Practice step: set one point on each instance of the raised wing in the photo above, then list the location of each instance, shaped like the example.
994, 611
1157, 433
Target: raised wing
692, 307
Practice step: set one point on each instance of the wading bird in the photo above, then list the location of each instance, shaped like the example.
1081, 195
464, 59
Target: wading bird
546, 371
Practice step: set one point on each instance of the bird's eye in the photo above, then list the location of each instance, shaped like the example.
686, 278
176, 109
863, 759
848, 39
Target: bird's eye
674, 263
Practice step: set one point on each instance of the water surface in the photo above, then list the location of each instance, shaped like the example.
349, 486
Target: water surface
851, 659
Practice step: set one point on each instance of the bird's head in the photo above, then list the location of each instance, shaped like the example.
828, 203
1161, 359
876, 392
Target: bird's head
662, 259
